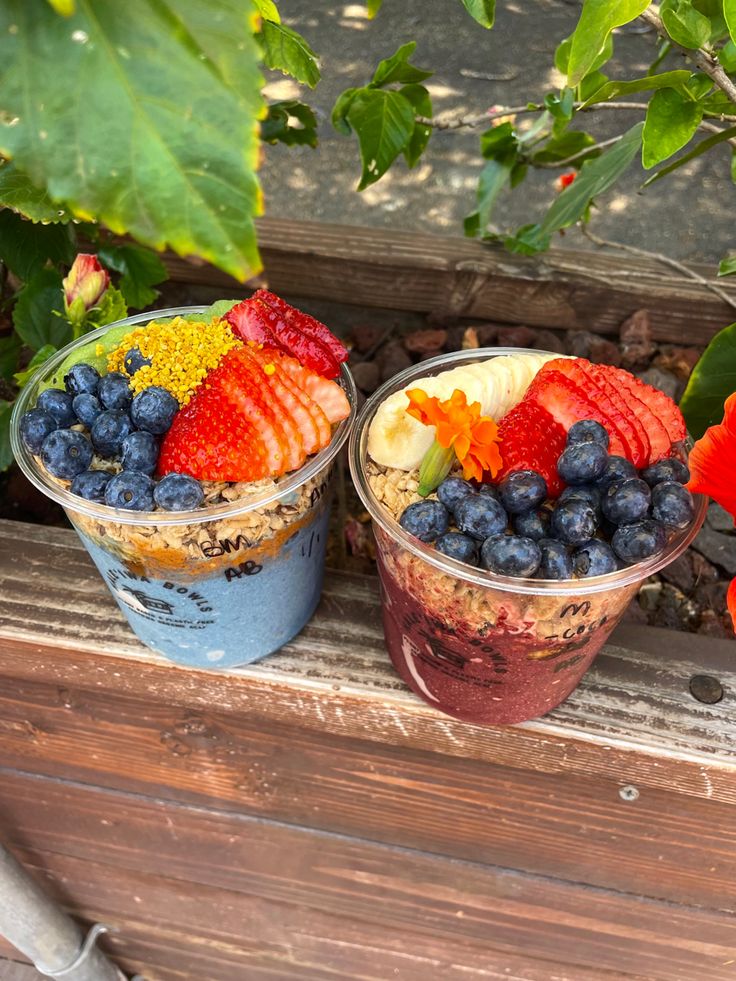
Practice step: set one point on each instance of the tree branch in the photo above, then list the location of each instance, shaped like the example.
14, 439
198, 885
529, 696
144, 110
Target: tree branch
703, 59
581, 153
660, 257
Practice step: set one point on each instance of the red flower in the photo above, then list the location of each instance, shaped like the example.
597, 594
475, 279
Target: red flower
565, 180
84, 286
712, 465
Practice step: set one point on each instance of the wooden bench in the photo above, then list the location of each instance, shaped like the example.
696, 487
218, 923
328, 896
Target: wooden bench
308, 818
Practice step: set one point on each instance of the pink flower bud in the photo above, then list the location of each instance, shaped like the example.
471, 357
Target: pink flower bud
85, 285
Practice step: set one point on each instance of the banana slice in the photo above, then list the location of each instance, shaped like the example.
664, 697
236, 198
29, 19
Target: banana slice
396, 439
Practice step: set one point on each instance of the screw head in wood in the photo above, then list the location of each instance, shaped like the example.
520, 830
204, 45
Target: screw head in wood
705, 688
629, 792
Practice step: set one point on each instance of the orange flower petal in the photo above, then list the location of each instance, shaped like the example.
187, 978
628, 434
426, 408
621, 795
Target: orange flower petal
712, 461
731, 601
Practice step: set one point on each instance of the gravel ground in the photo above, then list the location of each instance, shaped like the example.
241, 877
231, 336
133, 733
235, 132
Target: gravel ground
684, 216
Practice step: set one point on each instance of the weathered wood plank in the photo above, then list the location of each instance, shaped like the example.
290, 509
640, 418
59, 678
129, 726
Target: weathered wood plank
13, 971
452, 276
402, 891
633, 720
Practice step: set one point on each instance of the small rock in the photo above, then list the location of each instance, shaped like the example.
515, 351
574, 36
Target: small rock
367, 376
634, 613
674, 612
679, 361
712, 625
392, 359
717, 548
519, 336
719, 519
549, 340
663, 380
680, 573
425, 341
585, 344
470, 339
649, 595
712, 596
703, 570
637, 347
487, 333
367, 336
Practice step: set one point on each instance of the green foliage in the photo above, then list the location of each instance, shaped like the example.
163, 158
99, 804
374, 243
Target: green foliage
40, 357
701, 147
612, 90
37, 314
685, 24
10, 348
373, 6
419, 98
26, 247
18, 193
288, 52
597, 20
291, 122
6, 454
711, 382
398, 68
727, 266
729, 13
672, 119
484, 11
141, 270
139, 97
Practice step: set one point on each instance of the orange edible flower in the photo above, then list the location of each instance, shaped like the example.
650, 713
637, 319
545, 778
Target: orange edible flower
712, 463
461, 426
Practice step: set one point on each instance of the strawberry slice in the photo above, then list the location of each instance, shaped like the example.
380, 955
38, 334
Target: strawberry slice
314, 427
253, 320
306, 324
619, 420
604, 378
284, 404
532, 439
568, 404
662, 410
328, 395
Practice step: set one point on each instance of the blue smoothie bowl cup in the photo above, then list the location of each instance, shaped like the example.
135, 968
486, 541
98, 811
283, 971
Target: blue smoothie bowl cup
216, 587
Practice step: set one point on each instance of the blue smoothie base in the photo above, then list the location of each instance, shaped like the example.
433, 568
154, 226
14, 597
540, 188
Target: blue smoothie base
234, 616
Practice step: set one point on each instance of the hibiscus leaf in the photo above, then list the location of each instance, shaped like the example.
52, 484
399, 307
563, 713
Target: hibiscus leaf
712, 380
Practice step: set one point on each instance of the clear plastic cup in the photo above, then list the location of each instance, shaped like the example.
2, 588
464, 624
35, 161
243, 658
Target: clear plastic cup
220, 586
484, 648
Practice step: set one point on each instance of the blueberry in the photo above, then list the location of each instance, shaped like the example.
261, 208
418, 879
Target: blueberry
617, 468
65, 453
35, 426
510, 555
109, 430
522, 491
114, 391
426, 520
81, 378
672, 504
640, 540
556, 562
178, 492
459, 547
594, 558
668, 469
480, 516
452, 490
154, 409
139, 451
574, 521
91, 485
134, 360
86, 408
580, 463
587, 431
131, 491
626, 500
583, 492
489, 490
58, 404
531, 524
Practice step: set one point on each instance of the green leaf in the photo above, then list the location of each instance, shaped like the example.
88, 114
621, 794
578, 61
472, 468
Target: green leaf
612, 90
145, 123
483, 11
420, 99
727, 266
64, 7
671, 122
590, 85
10, 347
597, 19
36, 312
718, 104
268, 10
684, 24
729, 12
527, 240
111, 308
19, 194
373, 6
25, 247
291, 122
497, 140
288, 52
341, 109
562, 55
595, 177
727, 54
493, 178
397, 68
560, 106
6, 454
141, 270
698, 86
701, 147
384, 123
40, 357
712, 380
569, 144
